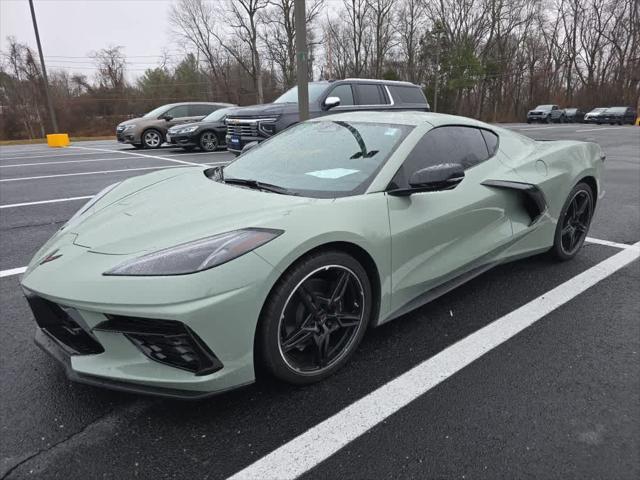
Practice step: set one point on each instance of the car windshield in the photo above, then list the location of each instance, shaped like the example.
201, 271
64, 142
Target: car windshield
321, 159
617, 110
291, 96
156, 112
543, 107
571, 110
217, 115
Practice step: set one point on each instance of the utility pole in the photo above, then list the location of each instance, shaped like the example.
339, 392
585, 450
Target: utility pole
52, 113
302, 59
435, 87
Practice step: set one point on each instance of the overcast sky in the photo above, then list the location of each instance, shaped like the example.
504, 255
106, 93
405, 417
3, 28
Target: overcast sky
75, 28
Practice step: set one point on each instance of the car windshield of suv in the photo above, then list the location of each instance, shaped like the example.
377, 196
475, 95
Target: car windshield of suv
617, 110
321, 159
291, 96
217, 115
156, 112
543, 107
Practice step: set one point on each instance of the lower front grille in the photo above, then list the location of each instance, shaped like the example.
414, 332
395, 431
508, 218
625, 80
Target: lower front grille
165, 341
58, 322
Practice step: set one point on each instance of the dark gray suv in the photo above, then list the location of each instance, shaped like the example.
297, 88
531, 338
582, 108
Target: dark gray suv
259, 122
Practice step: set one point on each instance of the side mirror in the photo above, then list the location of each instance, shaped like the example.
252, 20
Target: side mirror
249, 146
444, 176
166, 117
331, 102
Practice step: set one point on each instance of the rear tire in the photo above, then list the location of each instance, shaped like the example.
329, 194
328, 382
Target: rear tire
303, 335
573, 222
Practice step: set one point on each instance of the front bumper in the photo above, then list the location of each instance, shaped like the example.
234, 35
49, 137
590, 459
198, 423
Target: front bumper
127, 137
235, 143
183, 139
221, 306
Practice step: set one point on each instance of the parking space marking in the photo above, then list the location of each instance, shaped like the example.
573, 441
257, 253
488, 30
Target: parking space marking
598, 129
64, 161
325, 439
544, 128
41, 177
43, 202
27, 157
609, 243
184, 162
12, 271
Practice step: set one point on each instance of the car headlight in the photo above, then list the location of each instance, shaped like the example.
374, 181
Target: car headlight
197, 255
75, 218
129, 127
189, 129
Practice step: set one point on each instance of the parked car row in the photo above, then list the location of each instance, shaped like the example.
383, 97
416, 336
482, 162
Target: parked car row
554, 114
210, 126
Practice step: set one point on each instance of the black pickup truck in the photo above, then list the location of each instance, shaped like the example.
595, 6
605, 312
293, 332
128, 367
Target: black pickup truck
259, 122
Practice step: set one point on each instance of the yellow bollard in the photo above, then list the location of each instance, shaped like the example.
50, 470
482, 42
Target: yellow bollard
58, 140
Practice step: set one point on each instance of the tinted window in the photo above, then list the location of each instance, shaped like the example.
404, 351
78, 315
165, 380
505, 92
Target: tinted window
491, 139
324, 159
463, 145
369, 95
179, 111
201, 110
403, 94
344, 93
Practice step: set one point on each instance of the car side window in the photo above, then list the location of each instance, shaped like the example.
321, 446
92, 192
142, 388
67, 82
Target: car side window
179, 111
369, 94
344, 93
449, 144
491, 139
201, 110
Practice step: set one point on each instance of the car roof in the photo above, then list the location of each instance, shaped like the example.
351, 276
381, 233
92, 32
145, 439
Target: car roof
404, 118
368, 80
199, 103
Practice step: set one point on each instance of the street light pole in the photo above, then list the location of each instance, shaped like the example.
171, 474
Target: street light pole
302, 59
52, 113
435, 87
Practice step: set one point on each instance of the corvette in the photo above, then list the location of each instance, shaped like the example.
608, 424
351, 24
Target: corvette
186, 281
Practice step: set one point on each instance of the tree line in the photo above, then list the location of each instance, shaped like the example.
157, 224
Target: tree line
489, 59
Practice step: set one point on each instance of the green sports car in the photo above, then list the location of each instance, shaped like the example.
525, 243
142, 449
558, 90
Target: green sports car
184, 281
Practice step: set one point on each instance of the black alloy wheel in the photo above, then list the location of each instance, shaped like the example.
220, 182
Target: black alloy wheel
315, 318
208, 141
573, 224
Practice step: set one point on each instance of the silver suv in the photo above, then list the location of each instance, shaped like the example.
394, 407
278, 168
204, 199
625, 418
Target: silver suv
150, 130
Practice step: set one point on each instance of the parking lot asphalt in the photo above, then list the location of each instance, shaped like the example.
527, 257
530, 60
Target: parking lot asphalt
561, 399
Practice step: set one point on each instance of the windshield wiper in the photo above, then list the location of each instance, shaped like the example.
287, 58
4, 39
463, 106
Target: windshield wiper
257, 185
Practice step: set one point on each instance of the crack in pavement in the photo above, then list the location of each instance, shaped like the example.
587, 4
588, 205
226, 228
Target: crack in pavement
97, 427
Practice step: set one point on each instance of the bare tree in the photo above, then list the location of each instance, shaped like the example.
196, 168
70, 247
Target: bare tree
111, 64
411, 27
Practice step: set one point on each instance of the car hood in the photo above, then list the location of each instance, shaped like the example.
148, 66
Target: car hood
174, 208
131, 121
264, 110
197, 124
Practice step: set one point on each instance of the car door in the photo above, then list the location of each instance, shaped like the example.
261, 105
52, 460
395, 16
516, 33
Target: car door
179, 114
344, 91
370, 96
437, 236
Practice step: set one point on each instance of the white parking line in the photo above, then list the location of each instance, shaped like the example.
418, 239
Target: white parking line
27, 157
43, 202
12, 271
544, 128
325, 439
64, 161
184, 162
598, 129
41, 177
608, 243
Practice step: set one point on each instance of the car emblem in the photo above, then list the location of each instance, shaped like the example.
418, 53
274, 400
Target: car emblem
51, 257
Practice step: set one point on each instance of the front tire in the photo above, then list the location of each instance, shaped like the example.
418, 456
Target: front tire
314, 318
573, 222
152, 138
208, 141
